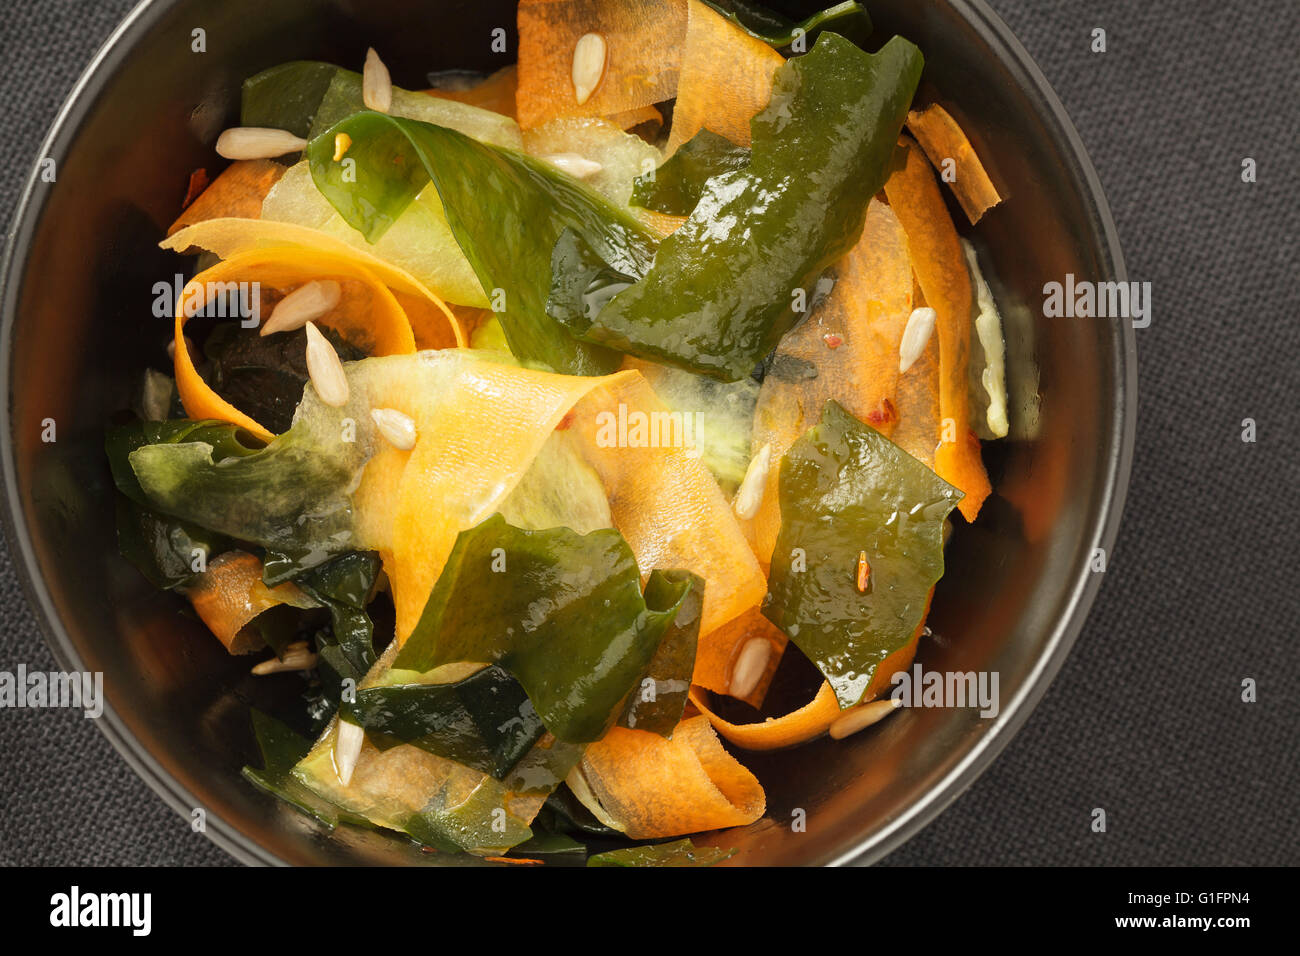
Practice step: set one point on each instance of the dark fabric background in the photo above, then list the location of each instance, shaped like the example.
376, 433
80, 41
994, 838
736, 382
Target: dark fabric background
1145, 719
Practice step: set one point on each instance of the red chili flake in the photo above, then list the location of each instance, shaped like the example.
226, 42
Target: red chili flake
832, 340
198, 183
880, 416
565, 422
864, 572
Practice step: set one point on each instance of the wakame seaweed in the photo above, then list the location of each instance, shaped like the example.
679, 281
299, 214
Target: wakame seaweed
566, 618
849, 494
506, 210
484, 721
722, 290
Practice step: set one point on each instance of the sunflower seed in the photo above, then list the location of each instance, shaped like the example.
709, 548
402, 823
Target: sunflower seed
862, 716
296, 658
750, 493
325, 369
376, 84
579, 167
347, 748
749, 667
920, 325
307, 303
255, 142
588, 65
397, 428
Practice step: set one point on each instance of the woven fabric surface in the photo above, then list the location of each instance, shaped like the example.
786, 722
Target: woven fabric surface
1145, 718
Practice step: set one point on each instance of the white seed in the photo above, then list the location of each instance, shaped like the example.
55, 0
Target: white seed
750, 493
348, 739
296, 658
325, 369
397, 428
588, 65
307, 303
579, 167
749, 667
376, 84
255, 142
920, 325
863, 716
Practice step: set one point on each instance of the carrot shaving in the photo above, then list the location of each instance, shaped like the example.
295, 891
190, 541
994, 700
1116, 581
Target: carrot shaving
230, 594
238, 192
941, 271
496, 93
943, 140
726, 78
652, 787
867, 311
643, 42
479, 432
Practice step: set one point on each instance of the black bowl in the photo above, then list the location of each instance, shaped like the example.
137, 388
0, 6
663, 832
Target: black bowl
78, 329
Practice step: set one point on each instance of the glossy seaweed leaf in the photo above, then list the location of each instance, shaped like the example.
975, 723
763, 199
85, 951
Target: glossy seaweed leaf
343, 585
677, 853
845, 491
566, 618
720, 294
506, 210
164, 549
849, 19
307, 97
286, 96
677, 187
484, 721
657, 702
120, 441
290, 496
281, 748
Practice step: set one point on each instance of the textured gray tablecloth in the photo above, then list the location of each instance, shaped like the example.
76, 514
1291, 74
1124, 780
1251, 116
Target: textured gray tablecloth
1145, 718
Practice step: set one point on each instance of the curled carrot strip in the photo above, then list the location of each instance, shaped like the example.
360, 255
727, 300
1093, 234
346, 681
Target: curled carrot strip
230, 594
941, 271
434, 324
943, 140
651, 787
814, 718
368, 315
